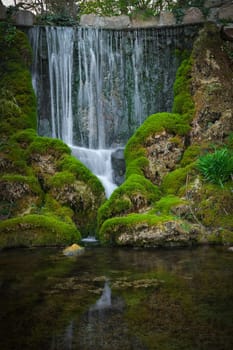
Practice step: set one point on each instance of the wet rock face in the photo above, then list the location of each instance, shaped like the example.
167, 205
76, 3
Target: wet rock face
212, 77
164, 152
118, 166
167, 234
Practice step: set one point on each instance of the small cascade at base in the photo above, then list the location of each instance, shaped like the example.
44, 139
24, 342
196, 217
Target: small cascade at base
96, 87
99, 162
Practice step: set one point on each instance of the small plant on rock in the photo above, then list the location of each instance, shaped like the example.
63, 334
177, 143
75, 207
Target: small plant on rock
216, 167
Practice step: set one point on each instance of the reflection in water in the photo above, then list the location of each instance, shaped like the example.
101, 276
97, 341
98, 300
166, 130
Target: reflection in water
105, 301
117, 299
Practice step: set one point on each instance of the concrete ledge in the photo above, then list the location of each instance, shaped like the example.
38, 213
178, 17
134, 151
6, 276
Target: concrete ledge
24, 18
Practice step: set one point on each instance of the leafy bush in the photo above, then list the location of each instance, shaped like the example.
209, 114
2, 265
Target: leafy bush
216, 167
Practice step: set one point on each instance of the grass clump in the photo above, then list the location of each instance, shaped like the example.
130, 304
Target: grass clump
216, 167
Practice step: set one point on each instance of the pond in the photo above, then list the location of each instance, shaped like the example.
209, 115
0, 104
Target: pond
110, 298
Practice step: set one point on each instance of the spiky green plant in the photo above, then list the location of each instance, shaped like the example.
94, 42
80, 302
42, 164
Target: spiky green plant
216, 167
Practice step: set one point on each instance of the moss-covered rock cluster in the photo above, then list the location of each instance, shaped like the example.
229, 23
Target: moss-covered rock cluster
165, 201
47, 197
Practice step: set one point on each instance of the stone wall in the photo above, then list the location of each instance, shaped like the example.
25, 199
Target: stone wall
214, 10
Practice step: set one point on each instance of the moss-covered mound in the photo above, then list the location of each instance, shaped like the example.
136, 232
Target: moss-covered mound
47, 197
165, 150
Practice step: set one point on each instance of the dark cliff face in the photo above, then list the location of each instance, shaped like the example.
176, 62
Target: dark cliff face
118, 78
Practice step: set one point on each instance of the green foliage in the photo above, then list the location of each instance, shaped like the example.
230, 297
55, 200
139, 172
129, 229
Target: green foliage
216, 167
142, 8
55, 19
37, 230
7, 34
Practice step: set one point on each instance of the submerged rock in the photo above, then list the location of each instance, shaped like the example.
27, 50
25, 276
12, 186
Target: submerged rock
73, 250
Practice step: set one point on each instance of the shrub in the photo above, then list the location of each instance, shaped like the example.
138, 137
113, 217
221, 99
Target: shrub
216, 167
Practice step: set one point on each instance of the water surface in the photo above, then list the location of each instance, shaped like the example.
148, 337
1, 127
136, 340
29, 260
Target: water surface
117, 299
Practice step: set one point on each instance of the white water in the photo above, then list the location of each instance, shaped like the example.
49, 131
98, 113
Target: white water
60, 53
105, 301
101, 86
99, 162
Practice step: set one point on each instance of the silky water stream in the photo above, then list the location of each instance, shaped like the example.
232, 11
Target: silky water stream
180, 299
95, 87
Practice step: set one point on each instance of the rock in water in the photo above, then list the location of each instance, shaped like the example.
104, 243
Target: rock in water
73, 250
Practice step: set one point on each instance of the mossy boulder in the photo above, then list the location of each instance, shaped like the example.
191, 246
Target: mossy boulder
36, 230
157, 146
135, 195
148, 231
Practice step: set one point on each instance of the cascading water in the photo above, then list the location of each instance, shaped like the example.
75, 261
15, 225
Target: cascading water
95, 87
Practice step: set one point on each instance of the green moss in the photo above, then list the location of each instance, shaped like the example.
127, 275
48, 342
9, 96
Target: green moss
18, 110
135, 153
30, 180
36, 230
24, 137
61, 178
164, 205
190, 155
176, 179
112, 228
74, 166
19, 51
45, 145
214, 206
135, 193
183, 103
53, 207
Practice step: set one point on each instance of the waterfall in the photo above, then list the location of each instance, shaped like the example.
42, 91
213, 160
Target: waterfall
96, 86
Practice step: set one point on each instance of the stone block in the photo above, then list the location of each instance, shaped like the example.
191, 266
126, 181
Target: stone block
138, 22
2, 12
193, 15
226, 12
24, 18
214, 3
115, 22
167, 19
213, 14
